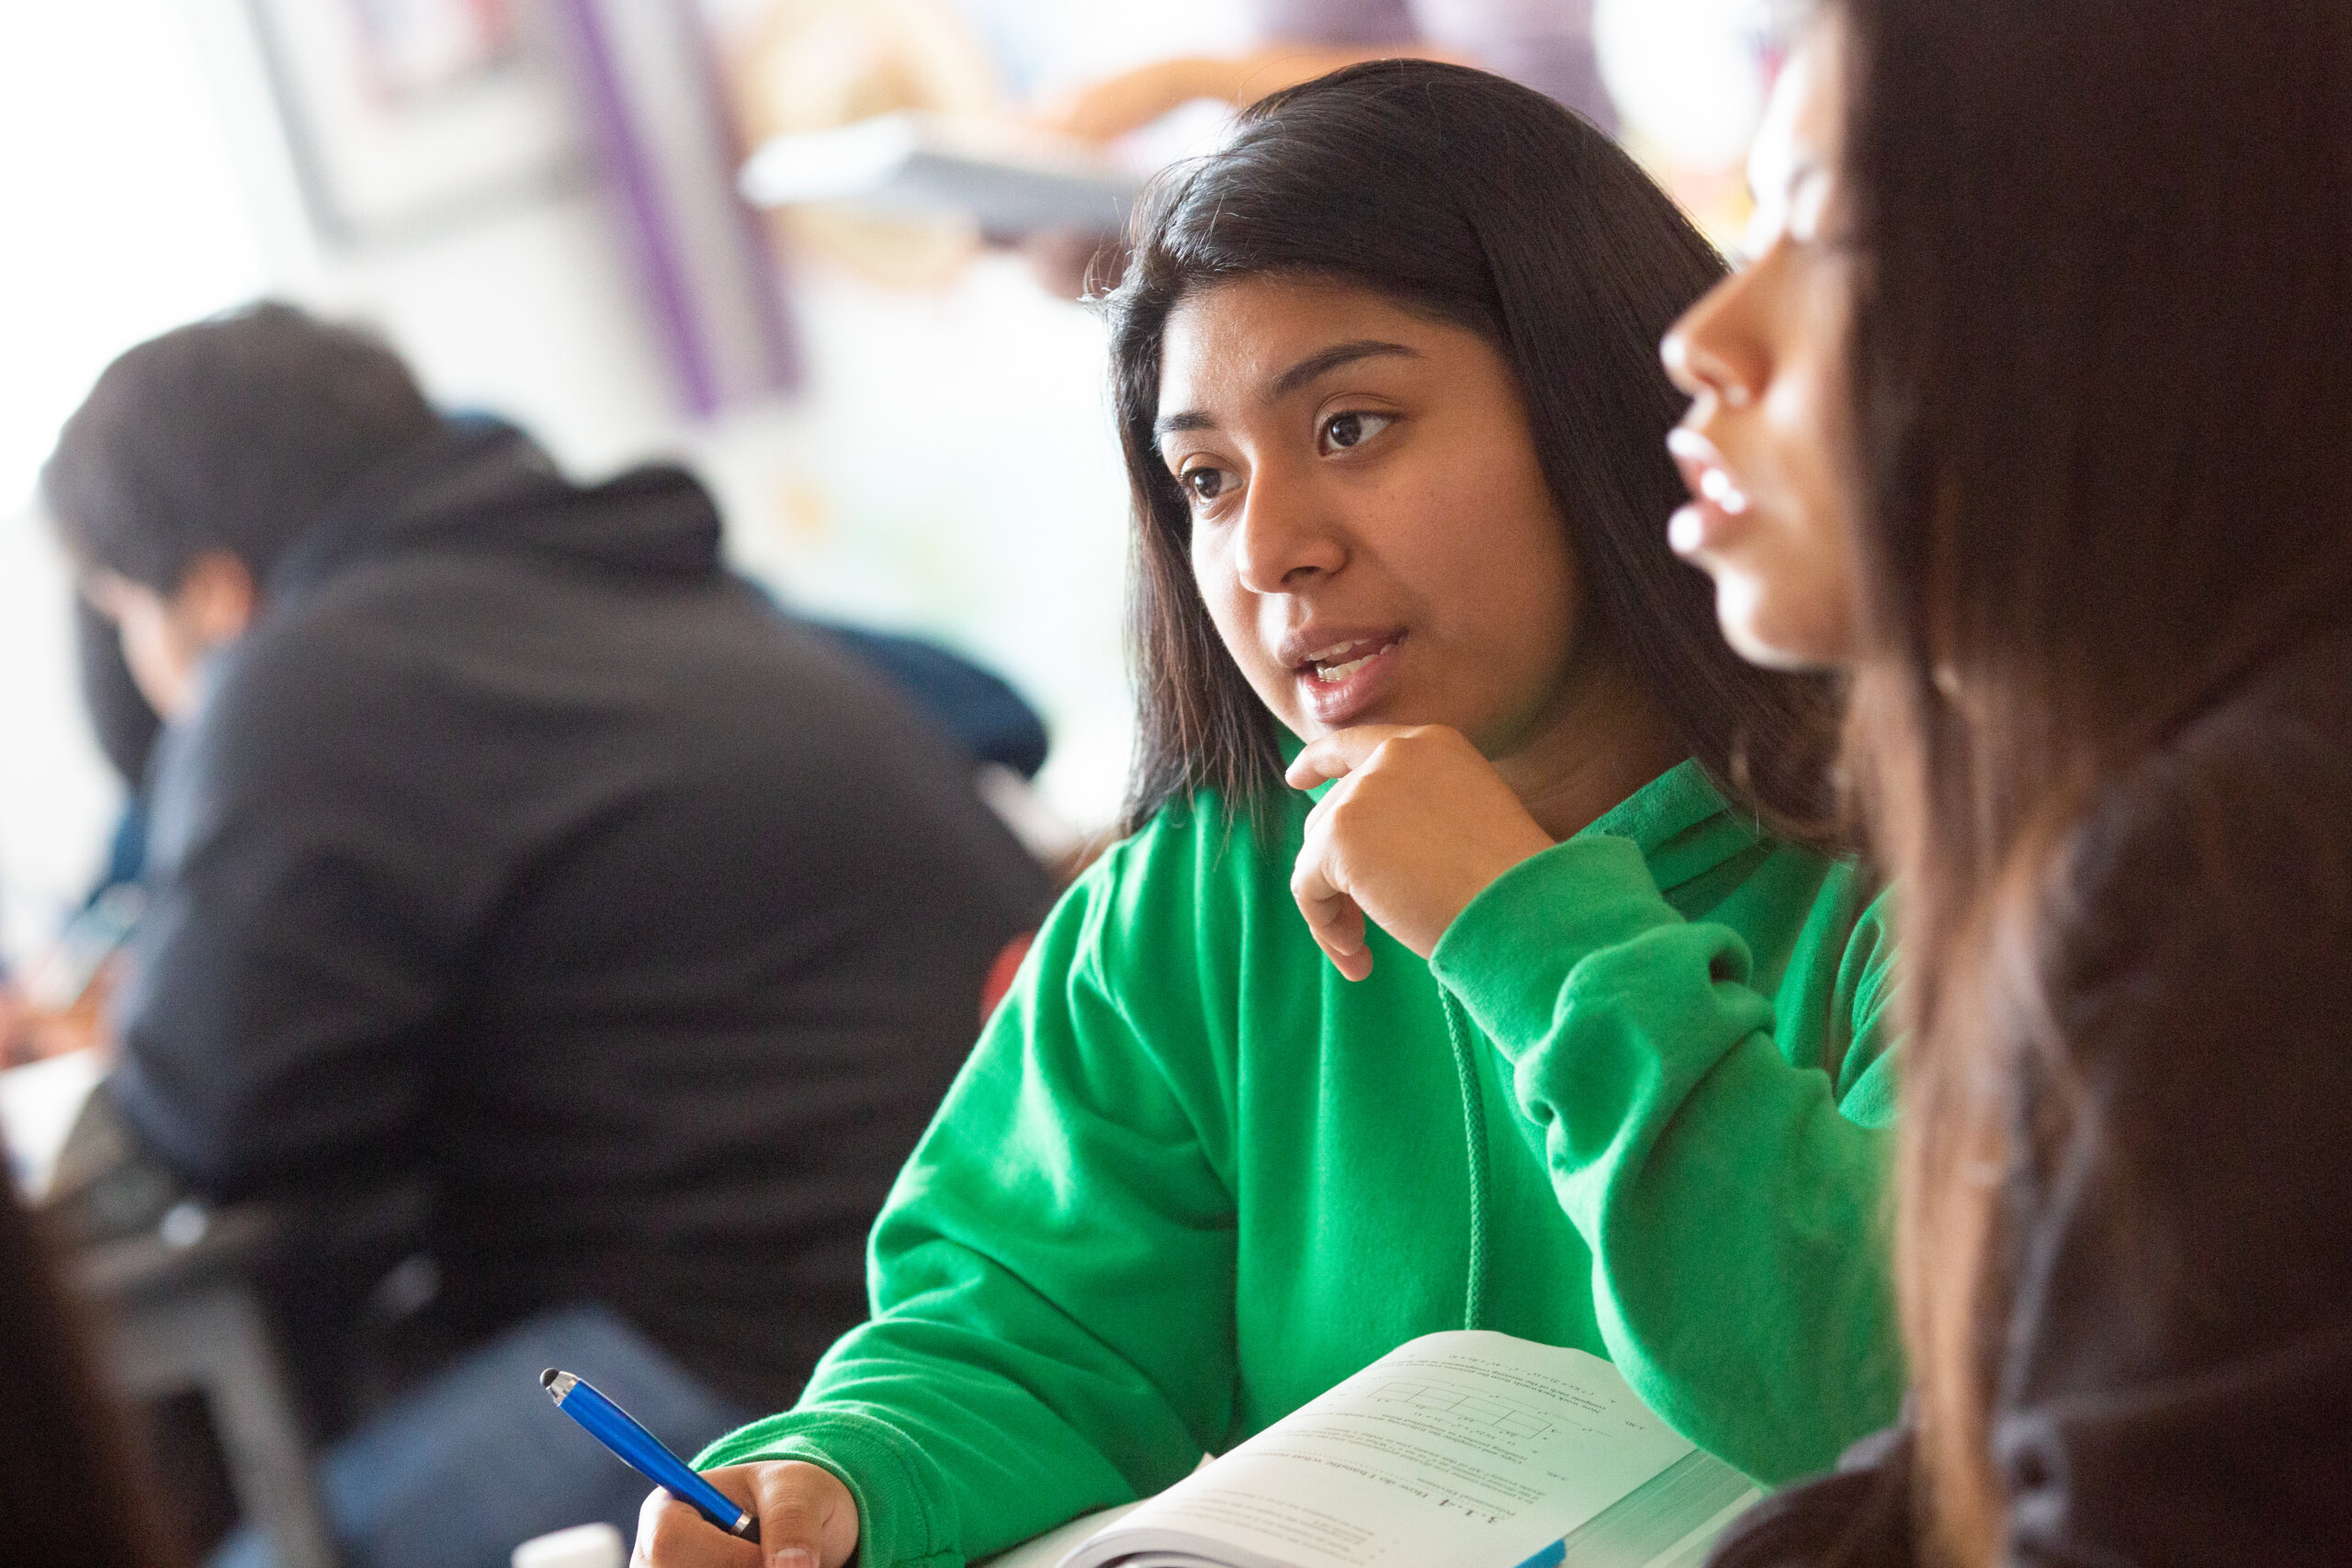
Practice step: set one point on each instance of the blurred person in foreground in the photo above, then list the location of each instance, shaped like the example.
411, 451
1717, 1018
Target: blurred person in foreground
72, 1495
501, 840
2032, 415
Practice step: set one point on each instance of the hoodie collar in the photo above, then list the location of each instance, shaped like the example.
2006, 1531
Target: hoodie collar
1681, 825
482, 484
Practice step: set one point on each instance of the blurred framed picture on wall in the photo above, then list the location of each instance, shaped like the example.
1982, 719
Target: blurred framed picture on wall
405, 117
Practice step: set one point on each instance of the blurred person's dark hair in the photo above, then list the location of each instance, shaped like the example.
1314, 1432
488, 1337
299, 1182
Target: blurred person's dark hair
71, 1492
1487, 206
2102, 399
125, 727
232, 434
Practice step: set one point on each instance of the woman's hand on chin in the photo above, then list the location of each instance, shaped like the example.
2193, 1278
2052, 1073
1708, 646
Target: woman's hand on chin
1418, 826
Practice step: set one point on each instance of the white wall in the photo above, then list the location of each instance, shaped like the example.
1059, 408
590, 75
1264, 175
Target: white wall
125, 217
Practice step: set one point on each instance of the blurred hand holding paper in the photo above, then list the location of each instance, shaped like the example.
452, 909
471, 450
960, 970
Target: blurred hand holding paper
1012, 179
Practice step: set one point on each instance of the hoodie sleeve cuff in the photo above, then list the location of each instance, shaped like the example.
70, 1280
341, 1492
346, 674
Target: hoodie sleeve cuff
1507, 957
904, 1517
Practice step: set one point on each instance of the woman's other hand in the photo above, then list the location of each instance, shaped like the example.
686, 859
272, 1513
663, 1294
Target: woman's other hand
1418, 825
808, 1520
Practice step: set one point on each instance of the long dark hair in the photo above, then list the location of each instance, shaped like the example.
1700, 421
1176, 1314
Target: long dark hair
1487, 206
69, 1488
2102, 399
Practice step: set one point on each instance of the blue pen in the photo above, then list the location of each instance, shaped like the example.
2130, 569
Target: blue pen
643, 1452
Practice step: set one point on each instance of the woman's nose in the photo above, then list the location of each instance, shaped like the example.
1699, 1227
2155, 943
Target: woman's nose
1710, 349
1284, 537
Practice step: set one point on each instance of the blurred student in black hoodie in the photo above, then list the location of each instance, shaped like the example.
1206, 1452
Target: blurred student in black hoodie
502, 839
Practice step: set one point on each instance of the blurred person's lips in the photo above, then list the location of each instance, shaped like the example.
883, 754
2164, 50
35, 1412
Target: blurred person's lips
1718, 500
1341, 671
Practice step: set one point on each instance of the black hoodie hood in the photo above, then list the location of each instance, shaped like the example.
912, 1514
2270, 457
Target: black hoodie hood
482, 485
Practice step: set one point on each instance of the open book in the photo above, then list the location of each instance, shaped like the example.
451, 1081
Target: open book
1470, 1450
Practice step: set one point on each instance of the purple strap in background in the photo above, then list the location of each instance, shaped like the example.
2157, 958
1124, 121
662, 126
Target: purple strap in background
780, 350
658, 131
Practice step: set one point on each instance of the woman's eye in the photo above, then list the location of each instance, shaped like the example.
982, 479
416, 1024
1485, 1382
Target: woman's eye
1204, 484
1342, 431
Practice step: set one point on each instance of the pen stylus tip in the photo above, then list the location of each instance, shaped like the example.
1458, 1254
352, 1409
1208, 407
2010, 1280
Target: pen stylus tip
547, 1379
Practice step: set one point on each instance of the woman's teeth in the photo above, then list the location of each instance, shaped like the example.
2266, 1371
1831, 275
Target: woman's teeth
1325, 670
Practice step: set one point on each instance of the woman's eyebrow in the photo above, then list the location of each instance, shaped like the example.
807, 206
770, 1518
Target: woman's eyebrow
1169, 423
1321, 363
1327, 360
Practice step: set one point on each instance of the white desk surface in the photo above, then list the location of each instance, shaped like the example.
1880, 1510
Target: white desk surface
38, 1105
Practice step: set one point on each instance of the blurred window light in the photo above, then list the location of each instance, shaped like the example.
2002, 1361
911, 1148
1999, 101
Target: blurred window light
126, 216
125, 219
1690, 76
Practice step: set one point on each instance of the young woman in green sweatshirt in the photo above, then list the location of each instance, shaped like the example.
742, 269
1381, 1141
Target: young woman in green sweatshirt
1604, 1069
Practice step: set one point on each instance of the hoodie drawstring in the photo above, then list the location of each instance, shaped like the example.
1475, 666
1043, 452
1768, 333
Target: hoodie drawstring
1474, 1125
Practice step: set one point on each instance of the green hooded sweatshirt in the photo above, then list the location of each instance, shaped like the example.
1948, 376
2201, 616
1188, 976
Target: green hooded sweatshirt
1192, 1178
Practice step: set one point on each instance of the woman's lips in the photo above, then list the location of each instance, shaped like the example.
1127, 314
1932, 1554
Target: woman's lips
1341, 679
1718, 502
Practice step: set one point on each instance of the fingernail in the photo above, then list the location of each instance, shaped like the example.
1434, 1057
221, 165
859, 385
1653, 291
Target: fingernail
794, 1557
